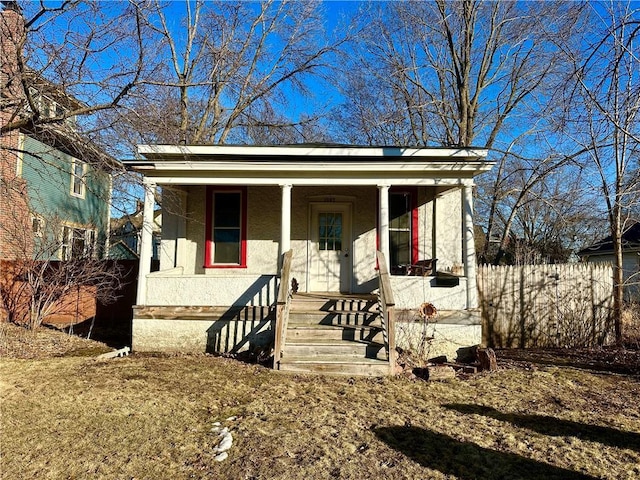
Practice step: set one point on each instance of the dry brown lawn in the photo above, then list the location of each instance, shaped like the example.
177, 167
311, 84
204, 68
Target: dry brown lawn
151, 417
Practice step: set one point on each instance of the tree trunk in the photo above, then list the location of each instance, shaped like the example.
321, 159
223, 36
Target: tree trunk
618, 275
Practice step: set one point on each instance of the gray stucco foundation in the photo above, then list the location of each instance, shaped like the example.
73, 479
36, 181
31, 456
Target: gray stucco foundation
192, 330
251, 329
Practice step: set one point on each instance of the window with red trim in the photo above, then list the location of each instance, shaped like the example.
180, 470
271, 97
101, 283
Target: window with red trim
403, 230
226, 227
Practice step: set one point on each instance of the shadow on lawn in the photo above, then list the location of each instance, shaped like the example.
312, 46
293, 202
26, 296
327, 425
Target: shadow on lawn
467, 460
556, 427
605, 359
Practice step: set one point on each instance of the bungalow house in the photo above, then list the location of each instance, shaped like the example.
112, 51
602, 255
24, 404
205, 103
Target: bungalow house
331, 253
602, 252
124, 240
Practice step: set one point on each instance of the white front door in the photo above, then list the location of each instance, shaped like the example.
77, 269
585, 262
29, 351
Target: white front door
330, 247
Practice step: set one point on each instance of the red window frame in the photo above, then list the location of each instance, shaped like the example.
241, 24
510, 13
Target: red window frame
209, 244
415, 238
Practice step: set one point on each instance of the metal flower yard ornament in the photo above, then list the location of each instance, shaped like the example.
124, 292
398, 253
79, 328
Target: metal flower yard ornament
427, 311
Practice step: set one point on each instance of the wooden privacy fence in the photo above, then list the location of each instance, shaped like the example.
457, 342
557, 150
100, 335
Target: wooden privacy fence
546, 305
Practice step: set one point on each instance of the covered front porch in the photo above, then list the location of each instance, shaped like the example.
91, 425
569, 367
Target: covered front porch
230, 214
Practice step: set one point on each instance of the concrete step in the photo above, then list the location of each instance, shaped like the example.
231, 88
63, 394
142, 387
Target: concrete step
320, 349
353, 333
337, 366
341, 317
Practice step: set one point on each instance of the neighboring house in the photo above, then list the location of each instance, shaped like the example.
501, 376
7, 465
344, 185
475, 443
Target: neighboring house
126, 231
56, 184
232, 212
602, 252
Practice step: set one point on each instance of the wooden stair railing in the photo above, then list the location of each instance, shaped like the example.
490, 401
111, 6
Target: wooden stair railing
285, 293
386, 305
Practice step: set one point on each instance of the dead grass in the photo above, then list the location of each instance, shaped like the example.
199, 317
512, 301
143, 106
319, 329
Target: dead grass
150, 417
44, 342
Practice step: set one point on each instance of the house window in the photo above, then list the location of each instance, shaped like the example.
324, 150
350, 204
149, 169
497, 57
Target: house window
59, 110
46, 110
403, 231
226, 227
77, 243
37, 225
78, 172
45, 106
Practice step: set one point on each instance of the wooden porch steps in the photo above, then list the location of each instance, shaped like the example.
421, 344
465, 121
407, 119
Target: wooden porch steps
320, 348
334, 334
369, 333
337, 318
337, 366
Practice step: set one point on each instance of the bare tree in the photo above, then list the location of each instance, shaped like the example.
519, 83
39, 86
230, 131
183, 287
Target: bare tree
555, 218
602, 100
38, 284
70, 52
464, 73
62, 64
457, 71
233, 72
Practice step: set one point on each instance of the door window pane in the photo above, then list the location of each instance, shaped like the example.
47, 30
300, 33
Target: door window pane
330, 231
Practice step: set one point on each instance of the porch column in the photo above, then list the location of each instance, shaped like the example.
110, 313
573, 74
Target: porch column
285, 224
146, 241
383, 223
468, 246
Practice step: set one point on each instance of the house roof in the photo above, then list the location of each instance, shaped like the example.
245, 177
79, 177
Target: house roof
630, 242
309, 164
120, 251
75, 144
305, 151
135, 220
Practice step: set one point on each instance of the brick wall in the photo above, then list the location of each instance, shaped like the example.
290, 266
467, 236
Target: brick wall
78, 306
12, 37
16, 238
15, 221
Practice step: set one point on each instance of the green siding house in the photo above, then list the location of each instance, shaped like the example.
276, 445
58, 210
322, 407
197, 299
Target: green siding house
69, 201
55, 184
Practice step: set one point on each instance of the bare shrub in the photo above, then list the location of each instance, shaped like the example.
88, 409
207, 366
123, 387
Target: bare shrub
31, 290
631, 325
